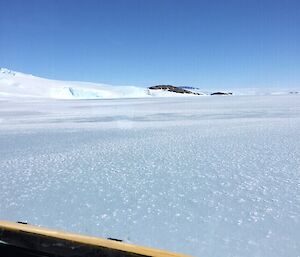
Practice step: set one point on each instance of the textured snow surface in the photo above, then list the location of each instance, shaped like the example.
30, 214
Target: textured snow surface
208, 176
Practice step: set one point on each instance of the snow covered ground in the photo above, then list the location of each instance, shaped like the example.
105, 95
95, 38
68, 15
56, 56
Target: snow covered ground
206, 176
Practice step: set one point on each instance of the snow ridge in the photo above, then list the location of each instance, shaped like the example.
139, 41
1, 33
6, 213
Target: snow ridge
16, 84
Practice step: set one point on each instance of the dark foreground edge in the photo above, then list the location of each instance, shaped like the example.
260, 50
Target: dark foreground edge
31, 241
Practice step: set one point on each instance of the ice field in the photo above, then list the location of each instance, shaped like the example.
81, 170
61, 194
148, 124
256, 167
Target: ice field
206, 176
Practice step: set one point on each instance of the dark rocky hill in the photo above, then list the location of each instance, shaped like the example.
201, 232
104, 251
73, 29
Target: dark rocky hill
221, 93
174, 89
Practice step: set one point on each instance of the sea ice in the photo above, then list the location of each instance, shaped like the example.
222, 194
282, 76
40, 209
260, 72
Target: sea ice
203, 176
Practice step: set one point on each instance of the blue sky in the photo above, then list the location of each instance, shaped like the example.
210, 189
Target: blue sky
203, 43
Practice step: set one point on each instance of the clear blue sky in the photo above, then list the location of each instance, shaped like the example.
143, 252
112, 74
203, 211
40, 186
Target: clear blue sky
206, 43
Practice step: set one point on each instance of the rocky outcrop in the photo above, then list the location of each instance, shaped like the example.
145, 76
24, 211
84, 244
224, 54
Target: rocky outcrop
221, 93
174, 89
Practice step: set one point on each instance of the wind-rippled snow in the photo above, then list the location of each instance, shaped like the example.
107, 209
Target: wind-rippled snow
203, 176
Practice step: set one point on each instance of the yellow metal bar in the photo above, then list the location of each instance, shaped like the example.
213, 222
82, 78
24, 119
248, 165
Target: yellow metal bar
94, 241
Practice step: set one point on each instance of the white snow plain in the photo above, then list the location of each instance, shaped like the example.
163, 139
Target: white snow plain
206, 176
